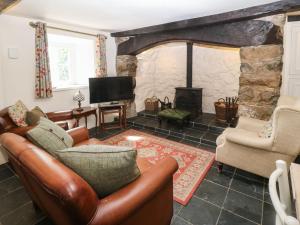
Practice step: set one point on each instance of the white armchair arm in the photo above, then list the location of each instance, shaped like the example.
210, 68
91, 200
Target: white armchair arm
249, 139
251, 124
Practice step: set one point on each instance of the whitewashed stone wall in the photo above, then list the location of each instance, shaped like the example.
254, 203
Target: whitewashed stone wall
163, 68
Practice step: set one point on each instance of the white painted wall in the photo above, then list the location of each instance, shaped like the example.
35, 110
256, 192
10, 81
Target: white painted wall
17, 75
163, 68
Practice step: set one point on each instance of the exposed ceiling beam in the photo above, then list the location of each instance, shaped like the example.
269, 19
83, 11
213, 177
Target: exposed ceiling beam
233, 16
238, 34
4, 4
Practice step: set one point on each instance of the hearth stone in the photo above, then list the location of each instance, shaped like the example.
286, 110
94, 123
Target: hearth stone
189, 99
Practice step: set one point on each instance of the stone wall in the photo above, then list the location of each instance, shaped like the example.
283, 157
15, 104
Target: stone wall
163, 68
126, 66
260, 80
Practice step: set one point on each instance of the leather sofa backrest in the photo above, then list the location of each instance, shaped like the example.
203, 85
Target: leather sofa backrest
56, 189
6, 122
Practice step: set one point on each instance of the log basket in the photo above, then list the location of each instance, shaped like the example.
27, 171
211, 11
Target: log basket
225, 112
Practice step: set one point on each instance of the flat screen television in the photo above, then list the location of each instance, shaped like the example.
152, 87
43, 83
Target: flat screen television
109, 89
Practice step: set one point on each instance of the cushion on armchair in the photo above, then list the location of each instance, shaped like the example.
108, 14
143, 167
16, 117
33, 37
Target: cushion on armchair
105, 168
17, 113
50, 136
33, 116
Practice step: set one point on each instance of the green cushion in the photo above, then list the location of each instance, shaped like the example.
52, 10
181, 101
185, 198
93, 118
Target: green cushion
176, 114
33, 116
50, 136
105, 168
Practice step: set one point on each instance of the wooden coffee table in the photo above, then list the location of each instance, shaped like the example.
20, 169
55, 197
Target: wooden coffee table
86, 112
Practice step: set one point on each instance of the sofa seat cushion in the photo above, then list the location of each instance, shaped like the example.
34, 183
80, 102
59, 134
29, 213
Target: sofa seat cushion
106, 168
175, 114
91, 141
50, 136
17, 113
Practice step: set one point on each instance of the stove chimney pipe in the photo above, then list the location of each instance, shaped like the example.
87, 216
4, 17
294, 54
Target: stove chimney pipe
189, 65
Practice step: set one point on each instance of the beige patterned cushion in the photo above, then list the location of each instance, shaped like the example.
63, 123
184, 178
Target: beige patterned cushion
105, 168
33, 116
50, 136
17, 113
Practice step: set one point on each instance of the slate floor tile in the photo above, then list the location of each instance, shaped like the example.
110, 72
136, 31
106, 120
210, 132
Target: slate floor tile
244, 206
9, 185
24, 215
211, 192
3, 166
45, 221
13, 200
172, 138
209, 138
268, 215
250, 176
191, 143
223, 178
179, 221
225, 167
176, 207
247, 186
228, 218
5, 173
200, 212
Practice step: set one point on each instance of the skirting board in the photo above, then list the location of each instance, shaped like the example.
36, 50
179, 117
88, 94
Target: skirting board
3, 156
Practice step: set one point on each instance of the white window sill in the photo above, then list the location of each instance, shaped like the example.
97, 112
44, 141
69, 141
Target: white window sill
72, 87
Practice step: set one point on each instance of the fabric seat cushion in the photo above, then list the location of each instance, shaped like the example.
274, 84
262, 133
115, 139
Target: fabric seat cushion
106, 168
33, 116
176, 114
50, 136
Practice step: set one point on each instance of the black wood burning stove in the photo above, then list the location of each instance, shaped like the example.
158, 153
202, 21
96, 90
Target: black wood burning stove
189, 98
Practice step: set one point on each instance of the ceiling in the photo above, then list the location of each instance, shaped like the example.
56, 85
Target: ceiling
118, 15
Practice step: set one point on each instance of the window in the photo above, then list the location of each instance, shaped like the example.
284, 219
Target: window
72, 60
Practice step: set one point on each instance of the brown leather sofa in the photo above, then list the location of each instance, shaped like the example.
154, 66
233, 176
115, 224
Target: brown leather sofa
63, 118
69, 200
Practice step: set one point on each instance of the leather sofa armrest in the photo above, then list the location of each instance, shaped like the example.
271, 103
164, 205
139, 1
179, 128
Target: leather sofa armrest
79, 134
118, 206
22, 131
249, 139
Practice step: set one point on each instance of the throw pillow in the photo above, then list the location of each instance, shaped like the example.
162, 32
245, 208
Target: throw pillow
33, 116
50, 136
17, 113
105, 168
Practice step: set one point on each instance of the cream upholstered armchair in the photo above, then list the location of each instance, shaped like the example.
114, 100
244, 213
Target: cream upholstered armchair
245, 148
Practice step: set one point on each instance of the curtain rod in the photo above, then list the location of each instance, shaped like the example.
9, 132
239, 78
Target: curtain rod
32, 24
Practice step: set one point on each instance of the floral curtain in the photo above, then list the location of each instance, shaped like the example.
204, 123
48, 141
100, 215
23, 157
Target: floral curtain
43, 86
101, 66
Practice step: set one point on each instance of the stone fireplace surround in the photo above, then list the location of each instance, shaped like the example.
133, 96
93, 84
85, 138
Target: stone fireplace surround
259, 80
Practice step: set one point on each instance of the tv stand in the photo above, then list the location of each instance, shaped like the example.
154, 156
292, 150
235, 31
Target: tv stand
105, 109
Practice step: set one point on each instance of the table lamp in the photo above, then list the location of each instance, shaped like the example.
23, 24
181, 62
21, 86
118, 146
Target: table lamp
79, 97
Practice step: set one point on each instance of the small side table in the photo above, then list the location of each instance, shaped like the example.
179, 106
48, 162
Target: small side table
105, 109
87, 111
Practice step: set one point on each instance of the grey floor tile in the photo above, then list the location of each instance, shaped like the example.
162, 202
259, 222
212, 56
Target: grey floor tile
225, 167
268, 215
5, 173
177, 207
3, 166
24, 215
200, 212
223, 178
45, 221
250, 176
9, 185
179, 221
247, 186
191, 143
244, 206
211, 192
228, 218
13, 200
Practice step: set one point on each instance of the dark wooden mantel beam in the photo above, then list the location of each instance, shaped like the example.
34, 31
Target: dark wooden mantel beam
4, 4
238, 34
233, 16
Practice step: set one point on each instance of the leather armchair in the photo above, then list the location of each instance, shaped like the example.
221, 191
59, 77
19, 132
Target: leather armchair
242, 147
63, 118
69, 200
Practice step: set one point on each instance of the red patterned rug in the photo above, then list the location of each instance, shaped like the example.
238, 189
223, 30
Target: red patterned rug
193, 163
